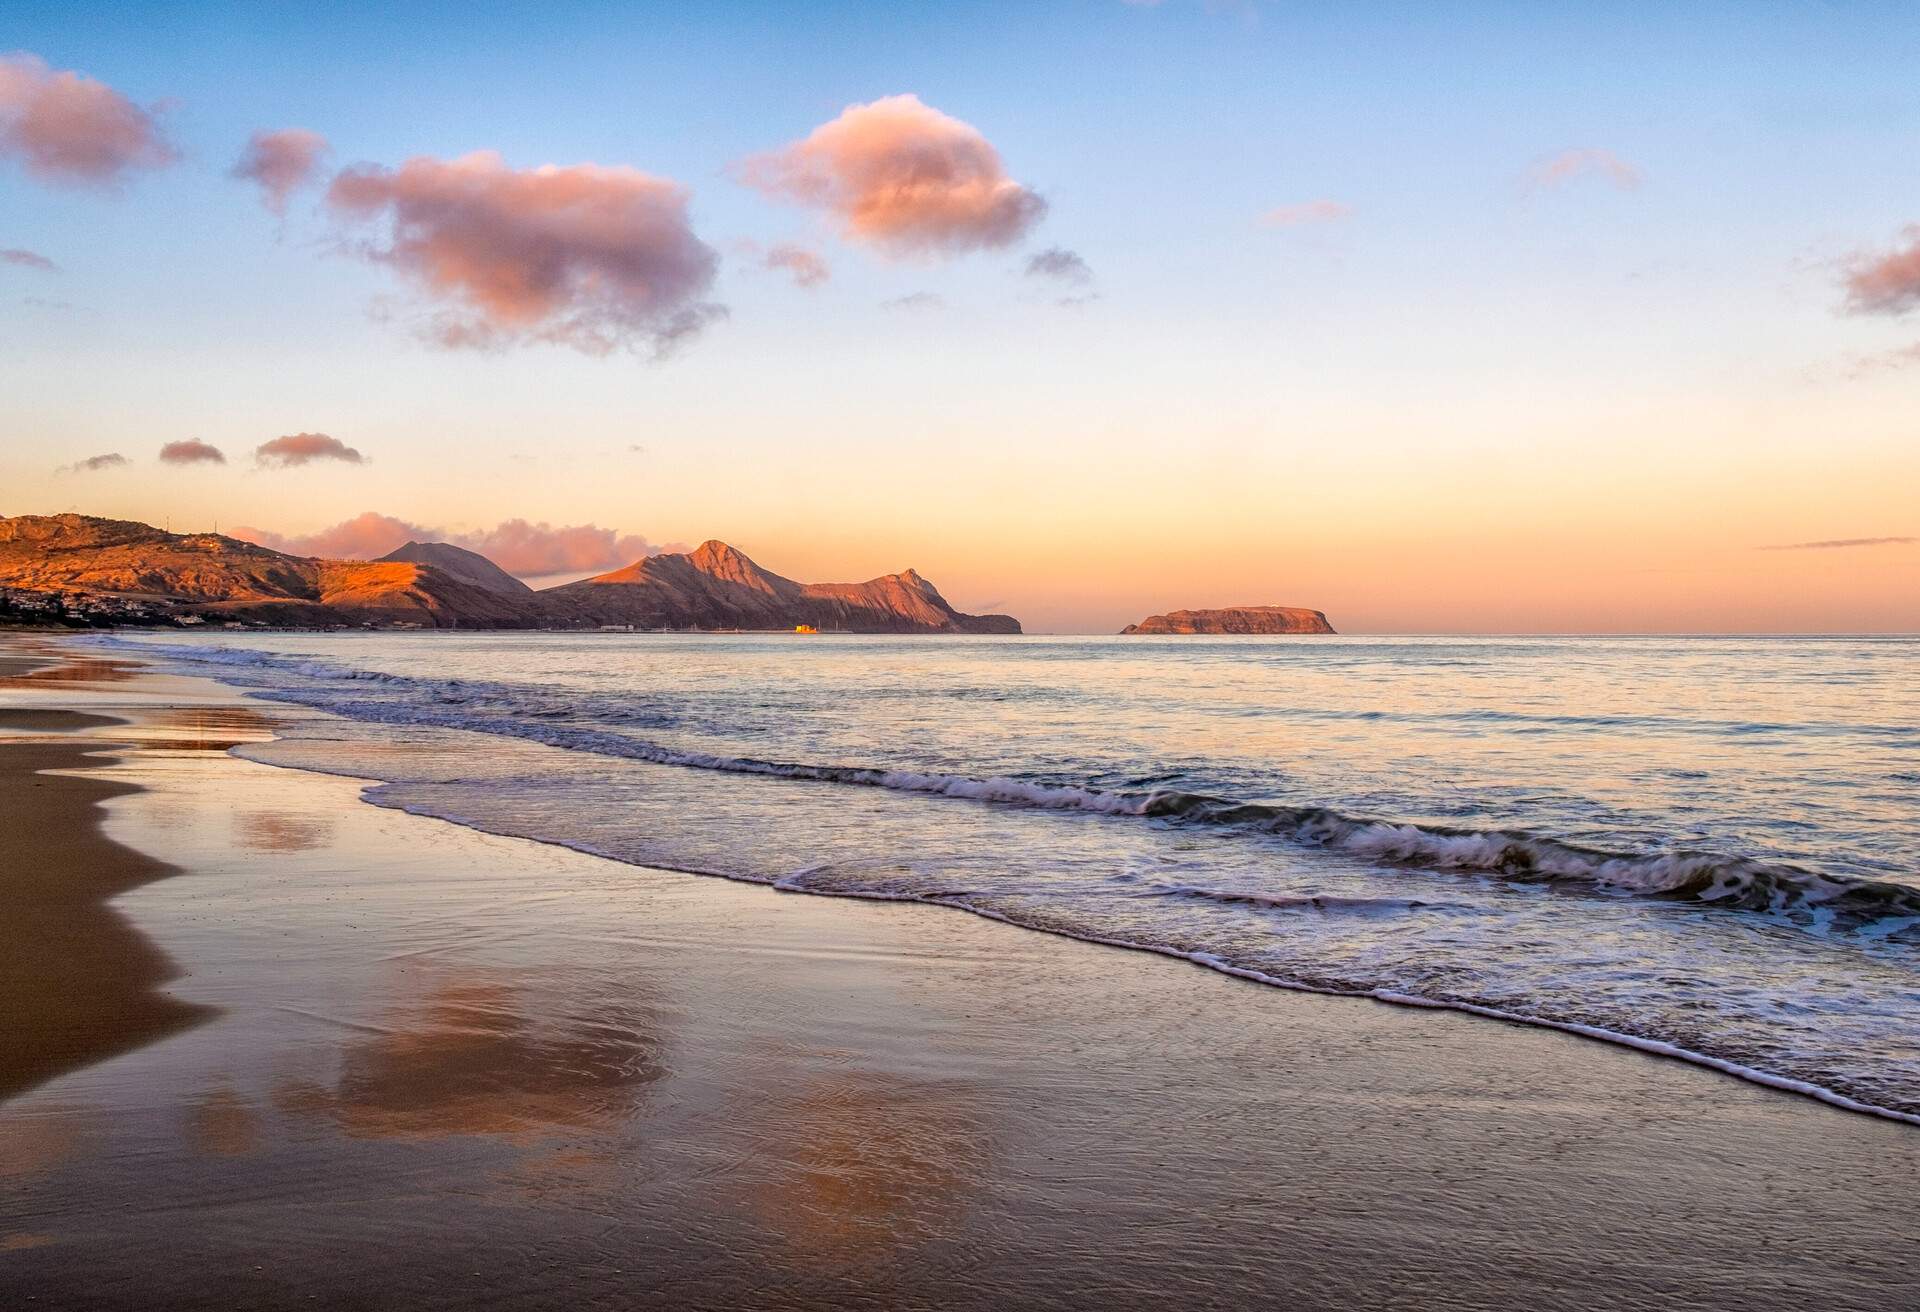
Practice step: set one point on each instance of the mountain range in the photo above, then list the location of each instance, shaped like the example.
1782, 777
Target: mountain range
716, 586
114, 567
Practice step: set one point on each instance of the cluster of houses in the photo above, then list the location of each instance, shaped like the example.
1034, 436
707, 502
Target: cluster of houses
95, 610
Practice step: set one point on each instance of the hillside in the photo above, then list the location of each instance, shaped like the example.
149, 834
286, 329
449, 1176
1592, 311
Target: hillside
717, 587
467, 566
155, 575
220, 577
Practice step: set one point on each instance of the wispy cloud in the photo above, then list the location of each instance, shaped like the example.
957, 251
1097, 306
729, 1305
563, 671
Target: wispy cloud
1067, 273
67, 128
797, 262
1060, 265
1834, 543
588, 256
1305, 213
28, 260
1584, 162
916, 301
1882, 362
901, 176
191, 451
280, 163
1887, 282
93, 464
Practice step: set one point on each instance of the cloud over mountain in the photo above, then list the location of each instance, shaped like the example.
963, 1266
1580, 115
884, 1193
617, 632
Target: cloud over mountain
525, 549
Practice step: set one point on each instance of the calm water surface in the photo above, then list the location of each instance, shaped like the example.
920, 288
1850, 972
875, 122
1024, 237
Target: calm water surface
1703, 843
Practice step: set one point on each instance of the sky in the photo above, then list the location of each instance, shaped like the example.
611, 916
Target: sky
1483, 317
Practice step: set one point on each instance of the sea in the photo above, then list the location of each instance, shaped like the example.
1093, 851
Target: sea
1706, 848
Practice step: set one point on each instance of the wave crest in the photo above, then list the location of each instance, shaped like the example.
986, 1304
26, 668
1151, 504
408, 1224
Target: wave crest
1808, 898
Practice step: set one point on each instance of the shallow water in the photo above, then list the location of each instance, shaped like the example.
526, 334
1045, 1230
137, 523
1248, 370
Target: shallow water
1702, 843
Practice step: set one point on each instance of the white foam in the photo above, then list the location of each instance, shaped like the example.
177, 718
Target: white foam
1730, 881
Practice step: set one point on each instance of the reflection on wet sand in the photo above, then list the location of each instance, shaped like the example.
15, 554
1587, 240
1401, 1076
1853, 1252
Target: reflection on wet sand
869, 1162
223, 1124
34, 1145
77, 982
275, 831
64, 669
204, 729
480, 1053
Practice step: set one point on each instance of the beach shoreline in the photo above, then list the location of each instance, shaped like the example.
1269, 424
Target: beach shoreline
487, 1066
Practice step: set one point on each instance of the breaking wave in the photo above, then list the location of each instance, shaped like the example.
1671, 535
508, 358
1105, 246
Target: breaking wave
1809, 899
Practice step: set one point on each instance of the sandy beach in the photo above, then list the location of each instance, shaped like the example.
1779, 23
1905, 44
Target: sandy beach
270, 1046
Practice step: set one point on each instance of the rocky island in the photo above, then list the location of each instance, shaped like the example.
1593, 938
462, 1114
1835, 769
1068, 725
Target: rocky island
1235, 619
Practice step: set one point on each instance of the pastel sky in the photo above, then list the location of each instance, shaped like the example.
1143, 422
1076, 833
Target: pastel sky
1435, 316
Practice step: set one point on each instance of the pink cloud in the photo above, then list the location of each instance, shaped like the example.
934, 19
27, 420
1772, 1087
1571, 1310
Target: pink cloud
1887, 283
806, 268
191, 451
303, 449
525, 549
67, 128
532, 550
587, 256
281, 163
28, 260
904, 177
1584, 161
1306, 212
363, 537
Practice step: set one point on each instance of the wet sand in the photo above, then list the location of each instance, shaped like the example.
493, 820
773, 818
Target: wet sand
437, 1068
77, 982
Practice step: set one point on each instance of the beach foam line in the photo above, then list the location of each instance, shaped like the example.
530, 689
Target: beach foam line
1810, 900
794, 882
